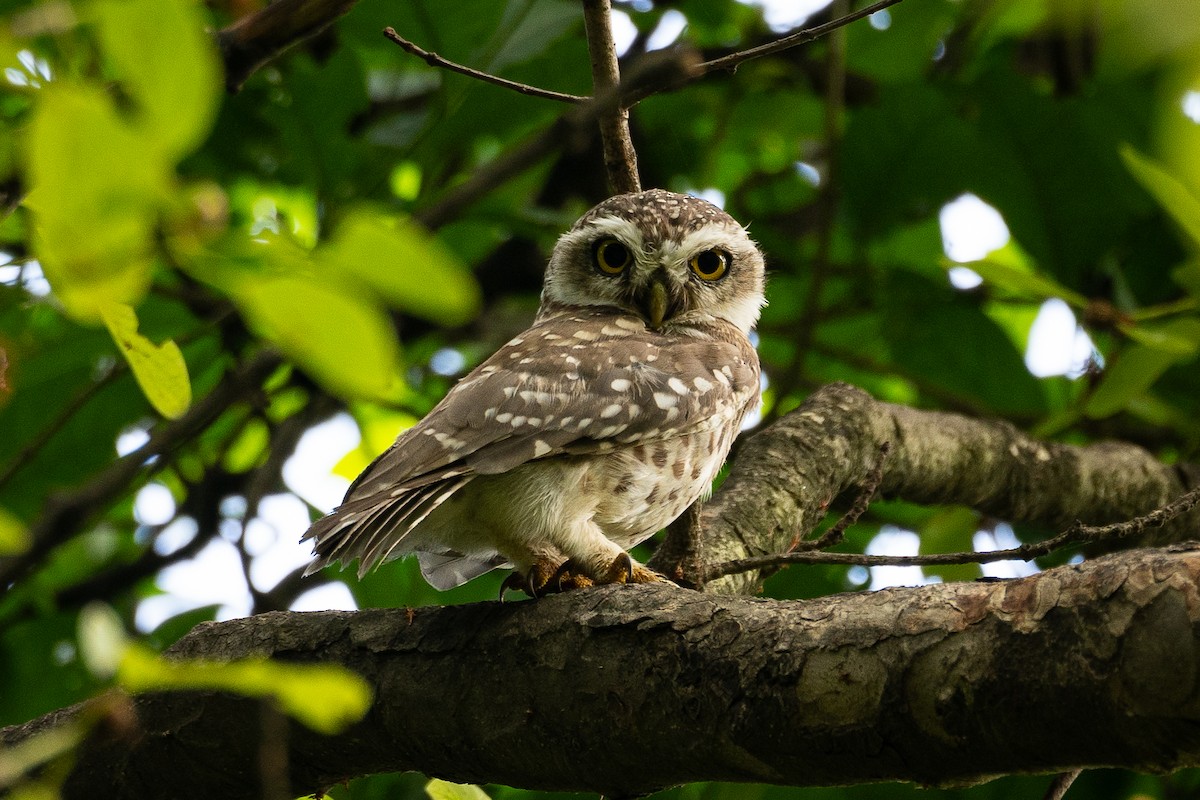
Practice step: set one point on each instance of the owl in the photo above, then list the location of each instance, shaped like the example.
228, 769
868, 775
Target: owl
589, 431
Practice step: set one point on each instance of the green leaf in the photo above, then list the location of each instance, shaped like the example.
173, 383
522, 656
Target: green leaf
160, 370
14, 536
344, 340
325, 697
405, 265
444, 790
1188, 276
1177, 337
95, 187
168, 64
1009, 269
1175, 198
1141, 365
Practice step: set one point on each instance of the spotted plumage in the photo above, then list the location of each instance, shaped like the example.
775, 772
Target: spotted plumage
590, 430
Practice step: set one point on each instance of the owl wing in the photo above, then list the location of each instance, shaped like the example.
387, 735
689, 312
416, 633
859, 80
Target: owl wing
577, 383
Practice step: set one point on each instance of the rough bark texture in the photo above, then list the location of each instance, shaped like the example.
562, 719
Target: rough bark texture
784, 479
628, 689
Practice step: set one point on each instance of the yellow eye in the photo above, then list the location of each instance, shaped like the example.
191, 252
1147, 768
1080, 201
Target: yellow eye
710, 265
612, 257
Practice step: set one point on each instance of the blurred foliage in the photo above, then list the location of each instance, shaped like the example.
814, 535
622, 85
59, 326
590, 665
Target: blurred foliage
181, 230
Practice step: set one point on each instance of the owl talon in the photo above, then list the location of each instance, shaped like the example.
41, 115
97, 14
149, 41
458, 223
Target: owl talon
516, 582
569, 577
624, 569
540, 579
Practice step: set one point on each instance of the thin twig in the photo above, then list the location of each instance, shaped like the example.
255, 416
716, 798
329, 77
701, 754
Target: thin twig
835, 534
82, 398
620, 159
258, 38
434, 60
1076, 534
66, 513
568, 131
733, 60
1061, 783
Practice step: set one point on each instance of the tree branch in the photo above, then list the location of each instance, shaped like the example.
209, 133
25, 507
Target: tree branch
620, 159
803, 36
568, 131
731, 61
1076, 534
64, 514
624, 690
434, 60
256, 39
785, 477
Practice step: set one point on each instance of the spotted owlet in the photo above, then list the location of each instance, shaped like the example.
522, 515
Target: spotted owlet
589, 431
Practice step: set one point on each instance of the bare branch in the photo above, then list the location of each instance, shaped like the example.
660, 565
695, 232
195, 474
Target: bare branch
620, 159
434, 60
1061, 783
571, 130
256, 39
1076, 534
785, 477
731, 61
838, 530
66, 513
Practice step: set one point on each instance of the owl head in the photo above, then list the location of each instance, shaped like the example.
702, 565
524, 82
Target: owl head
671, 259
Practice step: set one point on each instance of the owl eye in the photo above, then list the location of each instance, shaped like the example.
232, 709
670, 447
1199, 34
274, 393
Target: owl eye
612, 257
710, 265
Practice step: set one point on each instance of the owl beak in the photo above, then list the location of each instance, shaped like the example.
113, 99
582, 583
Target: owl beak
657, 302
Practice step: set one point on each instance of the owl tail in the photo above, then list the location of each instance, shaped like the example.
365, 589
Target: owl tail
447, 570
372, 529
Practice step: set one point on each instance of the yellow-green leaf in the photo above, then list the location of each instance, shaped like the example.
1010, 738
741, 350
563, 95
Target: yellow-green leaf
345, 342
167, 62
325, 697
102, 639
405, 265
160, 370
438, 789
1175, 197
14, 536
95, 186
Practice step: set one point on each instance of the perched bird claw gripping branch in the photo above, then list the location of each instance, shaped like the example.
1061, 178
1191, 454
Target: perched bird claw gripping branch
587, 432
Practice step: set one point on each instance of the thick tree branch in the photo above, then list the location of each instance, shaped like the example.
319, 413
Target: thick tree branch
786, 476
628, 689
